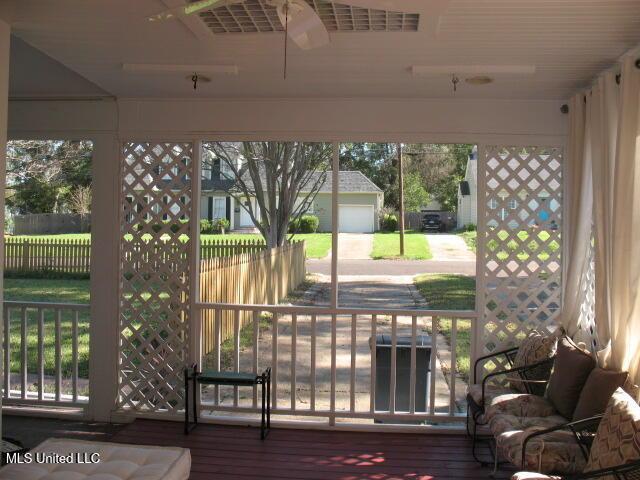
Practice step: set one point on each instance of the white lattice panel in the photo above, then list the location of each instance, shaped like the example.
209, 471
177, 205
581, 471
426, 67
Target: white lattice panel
154, 274
521, 221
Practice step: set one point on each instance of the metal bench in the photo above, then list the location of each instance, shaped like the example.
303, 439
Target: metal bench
235, 379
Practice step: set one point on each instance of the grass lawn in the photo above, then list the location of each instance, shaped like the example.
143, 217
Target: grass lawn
470, 238
451, 292
41, 290
387, 246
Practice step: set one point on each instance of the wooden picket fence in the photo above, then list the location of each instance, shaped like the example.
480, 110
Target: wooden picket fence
73, 255
228, 248
265, 277
68, 255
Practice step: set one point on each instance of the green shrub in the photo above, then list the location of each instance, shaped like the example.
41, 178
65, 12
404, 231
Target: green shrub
205, 226
294, 226
309, 224
470, 227
389, 223
221, 225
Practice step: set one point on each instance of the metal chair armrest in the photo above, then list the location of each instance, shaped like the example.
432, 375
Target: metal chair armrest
491, 355
524, 368
575, 427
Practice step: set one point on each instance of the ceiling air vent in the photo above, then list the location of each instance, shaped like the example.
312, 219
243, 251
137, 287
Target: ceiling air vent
258, 16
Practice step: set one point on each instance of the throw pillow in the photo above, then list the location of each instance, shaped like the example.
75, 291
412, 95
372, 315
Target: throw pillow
617, 441
570, 372
535, 348
597, 392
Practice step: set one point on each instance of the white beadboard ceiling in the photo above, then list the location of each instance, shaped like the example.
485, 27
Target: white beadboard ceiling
568, 42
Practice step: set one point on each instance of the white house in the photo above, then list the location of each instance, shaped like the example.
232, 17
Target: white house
468, 193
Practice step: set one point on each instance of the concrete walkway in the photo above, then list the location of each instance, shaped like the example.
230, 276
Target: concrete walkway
447, 247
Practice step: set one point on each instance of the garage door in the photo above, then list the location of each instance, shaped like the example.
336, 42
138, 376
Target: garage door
356, 219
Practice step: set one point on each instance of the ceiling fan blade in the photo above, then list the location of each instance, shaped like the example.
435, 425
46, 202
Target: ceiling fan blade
305, 26
187, 9
388, 5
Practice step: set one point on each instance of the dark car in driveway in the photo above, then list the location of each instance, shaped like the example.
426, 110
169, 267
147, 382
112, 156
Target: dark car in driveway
432, 222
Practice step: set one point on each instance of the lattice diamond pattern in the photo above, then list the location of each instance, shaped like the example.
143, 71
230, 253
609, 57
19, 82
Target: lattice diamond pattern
154, 274
522, 222
258, 16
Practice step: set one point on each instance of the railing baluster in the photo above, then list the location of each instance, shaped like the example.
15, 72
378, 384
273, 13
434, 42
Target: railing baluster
274, 362
254, 361
352, 386
217, 353
40, 353
432, 365
373, 347
313, 364
58, 354
394, 347
74, 355
294, 343
23, 353
7, 352
332, 401
453, 366
412, 375
236, 352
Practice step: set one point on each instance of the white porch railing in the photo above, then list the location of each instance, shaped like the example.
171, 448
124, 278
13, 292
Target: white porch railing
42, 362
324, 363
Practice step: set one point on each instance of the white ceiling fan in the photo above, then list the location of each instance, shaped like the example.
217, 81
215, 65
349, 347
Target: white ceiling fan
300, 21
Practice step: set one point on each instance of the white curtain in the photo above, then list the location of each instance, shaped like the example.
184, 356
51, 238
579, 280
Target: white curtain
624, 236
579, 198
604, 108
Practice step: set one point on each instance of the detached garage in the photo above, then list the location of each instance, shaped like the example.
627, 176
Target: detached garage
356, 218
359, 203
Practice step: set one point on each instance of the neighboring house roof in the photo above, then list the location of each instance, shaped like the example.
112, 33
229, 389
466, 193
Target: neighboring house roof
350, 181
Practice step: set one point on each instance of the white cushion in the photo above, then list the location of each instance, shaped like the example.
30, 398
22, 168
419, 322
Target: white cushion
117, 462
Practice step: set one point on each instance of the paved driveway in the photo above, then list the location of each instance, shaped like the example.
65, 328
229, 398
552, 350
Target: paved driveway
354, 246
447, 247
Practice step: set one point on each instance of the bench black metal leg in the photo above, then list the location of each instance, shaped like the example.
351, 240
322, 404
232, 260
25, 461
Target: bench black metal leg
195, 398
186, 401
269, 398
262, 421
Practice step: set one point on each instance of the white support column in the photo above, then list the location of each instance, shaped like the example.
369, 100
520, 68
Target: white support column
195, 331
105, 258
5, 31
232, 223
335, 213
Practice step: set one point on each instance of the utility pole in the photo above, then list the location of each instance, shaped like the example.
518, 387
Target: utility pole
401, 188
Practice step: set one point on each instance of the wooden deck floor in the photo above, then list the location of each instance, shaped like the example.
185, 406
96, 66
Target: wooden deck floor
225, 452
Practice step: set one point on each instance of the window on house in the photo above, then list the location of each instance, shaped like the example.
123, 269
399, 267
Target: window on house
219, 208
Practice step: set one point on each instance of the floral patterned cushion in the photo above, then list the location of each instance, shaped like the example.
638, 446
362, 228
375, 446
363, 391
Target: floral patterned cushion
511, 423
532, 476
491, 391
556, 452
535, 348
617, 440
519, 405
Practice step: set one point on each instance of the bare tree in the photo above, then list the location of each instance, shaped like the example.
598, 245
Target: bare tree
80, 200
283, 177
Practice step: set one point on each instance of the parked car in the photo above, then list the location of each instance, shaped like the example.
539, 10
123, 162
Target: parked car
432, 222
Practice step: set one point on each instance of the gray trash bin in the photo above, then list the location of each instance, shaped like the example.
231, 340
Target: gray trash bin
403, 372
